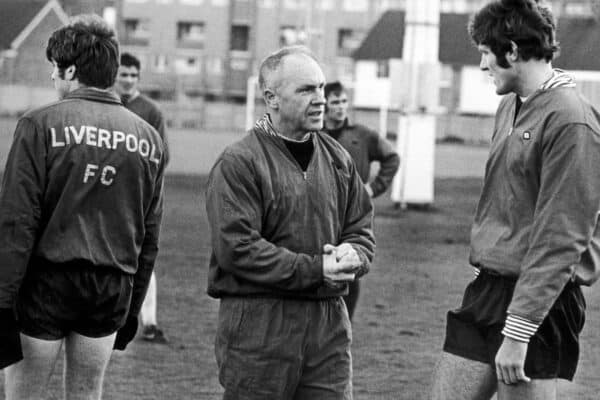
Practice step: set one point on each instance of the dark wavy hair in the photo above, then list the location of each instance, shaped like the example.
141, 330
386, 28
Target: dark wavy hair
89, 44
334, 87
129, 60
526, 22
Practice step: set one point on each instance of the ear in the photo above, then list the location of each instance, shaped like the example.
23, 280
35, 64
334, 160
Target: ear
513, 55
271, 99
70, 73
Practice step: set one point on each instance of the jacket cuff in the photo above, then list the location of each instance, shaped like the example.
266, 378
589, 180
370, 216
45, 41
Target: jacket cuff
519, 328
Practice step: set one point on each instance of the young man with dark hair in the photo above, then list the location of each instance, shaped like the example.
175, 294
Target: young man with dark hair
535, 238
291, 225
126, 86
365, 146
80, 213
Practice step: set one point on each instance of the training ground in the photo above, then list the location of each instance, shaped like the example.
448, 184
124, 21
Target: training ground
419, 272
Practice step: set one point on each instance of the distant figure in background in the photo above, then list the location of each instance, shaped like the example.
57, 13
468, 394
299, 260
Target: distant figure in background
365, 146
535, 237
80, 215
126, 86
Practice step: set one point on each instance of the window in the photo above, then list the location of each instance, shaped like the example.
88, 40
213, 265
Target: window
267, 4
356, 5
136, 32
291, 35
187, 65
192, 2
240, 37
164, 1
190, 34
220, 3
348, 41
294, 4
161, 63
325, 4
383, 68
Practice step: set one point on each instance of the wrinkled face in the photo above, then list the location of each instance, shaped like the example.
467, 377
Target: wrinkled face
337, 107
127, 80
62, 85
505, 79
300, 94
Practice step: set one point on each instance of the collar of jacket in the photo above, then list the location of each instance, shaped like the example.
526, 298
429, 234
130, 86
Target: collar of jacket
345, 125
94, 94
265, 125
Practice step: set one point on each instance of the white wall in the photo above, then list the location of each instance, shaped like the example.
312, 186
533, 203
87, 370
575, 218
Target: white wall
477, 92
16, 99
369, 90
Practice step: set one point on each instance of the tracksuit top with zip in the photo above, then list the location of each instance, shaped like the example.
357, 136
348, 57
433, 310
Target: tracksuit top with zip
537, 218
269, 219
82, 186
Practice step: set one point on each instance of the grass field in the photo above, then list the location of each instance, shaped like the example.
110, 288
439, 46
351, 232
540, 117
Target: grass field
419, 273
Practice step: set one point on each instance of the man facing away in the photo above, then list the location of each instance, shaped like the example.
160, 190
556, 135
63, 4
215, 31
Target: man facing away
365, 146
126, 86
535, 238
291, 224
80, 213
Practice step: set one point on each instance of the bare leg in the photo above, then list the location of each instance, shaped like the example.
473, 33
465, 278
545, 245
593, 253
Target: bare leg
148, 311
86, 362
29, 378
537, 389
458, 378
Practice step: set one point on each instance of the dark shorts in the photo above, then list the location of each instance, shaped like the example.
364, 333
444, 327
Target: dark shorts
270, 348
56, 300
474, 330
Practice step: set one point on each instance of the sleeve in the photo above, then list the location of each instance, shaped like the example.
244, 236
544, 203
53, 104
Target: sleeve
160, 126
21, 195
358, 222
381, 150
563, 225
149, 249
233, 206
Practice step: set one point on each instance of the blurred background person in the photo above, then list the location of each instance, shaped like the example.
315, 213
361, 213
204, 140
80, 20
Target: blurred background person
365, 146
126, 85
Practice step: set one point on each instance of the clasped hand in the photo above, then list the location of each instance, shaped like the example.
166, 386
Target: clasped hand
340, 263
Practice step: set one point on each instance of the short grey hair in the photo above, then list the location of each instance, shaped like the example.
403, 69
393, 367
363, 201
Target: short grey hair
273, 61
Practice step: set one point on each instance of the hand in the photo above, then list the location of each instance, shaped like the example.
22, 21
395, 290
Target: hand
10, 339
369, 189
340, 263
126, 333
344, 250
510, 362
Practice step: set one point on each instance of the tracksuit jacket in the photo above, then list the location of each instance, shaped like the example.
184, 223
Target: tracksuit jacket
537, 218
366, 146
82, 186
269, 219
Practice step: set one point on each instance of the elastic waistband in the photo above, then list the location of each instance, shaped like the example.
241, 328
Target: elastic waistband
510, 278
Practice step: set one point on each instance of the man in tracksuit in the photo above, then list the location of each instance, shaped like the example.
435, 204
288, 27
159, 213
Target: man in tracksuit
291, 224
80, 212
126, 86
535, 238
365, 146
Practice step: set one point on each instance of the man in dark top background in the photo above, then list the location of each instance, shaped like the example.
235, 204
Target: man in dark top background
365, 146
126, 86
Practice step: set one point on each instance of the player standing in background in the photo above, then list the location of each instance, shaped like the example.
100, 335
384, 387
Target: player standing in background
80, 213
535, 238
126, 86
290, 225
365, 146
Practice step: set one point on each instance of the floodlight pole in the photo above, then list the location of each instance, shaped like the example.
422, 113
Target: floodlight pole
416, 129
